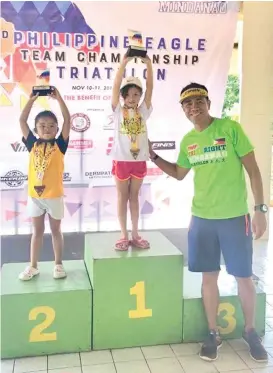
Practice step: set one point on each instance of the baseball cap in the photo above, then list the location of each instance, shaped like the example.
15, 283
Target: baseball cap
131, 80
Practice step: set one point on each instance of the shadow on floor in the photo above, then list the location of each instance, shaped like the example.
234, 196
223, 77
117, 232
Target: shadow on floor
15, 249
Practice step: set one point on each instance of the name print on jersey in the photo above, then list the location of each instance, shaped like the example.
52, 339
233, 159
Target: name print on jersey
215, 153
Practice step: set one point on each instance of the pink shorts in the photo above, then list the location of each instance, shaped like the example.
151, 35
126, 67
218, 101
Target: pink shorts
126, 170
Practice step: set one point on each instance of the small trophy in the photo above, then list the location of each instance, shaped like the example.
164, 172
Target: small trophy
42, 90
136, 48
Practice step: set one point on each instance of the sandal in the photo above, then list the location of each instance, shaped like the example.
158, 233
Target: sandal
140, 243
122, 245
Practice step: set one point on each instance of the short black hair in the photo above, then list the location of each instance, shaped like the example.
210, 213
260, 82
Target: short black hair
46, 114
194, 86
124, 90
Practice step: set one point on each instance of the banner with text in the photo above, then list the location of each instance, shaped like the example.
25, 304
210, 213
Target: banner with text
77, 47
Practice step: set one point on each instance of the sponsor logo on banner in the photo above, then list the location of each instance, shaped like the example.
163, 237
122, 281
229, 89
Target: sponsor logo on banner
80, 122
80, 145
109, 124
14, 178
95, 109
18, 147
110, 145
98, 174
196, 7
163, 145
67, 177
154, 171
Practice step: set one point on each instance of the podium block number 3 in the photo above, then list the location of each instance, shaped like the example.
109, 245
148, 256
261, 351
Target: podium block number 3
37, 334
141, 311
229, 317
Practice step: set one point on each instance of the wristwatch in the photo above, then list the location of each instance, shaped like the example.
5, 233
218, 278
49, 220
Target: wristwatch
262, 208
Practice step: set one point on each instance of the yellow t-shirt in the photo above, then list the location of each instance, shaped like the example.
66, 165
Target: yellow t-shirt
46, 166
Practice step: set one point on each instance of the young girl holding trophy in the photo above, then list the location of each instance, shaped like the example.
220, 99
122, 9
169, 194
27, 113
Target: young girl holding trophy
130, 150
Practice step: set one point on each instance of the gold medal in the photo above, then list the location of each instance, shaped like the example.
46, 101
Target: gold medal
132, 126
134, 147
42, 157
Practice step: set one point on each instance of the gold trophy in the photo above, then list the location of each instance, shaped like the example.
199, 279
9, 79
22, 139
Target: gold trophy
136, 47
42, 90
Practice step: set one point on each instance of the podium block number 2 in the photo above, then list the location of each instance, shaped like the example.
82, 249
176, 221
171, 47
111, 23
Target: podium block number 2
37, 334
141, 311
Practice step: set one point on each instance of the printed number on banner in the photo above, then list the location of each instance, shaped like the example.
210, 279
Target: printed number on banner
141, 311
37, 333
228, 311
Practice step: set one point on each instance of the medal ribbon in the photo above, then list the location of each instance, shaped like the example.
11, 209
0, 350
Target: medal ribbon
42, 158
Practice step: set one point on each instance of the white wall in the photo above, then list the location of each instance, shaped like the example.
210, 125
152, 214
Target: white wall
257, 85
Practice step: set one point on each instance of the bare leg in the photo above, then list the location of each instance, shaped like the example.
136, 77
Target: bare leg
210, 294
123, 196
57, 239
247, 294
134, 189
36, 239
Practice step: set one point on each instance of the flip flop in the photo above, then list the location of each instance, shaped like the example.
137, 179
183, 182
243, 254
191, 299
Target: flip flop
140, 243
122, 245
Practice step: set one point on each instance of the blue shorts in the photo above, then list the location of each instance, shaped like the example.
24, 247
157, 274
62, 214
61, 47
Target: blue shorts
207, 238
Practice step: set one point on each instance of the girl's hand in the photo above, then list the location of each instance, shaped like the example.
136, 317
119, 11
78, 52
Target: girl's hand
126, 59
146, 60
33, 97
55, 94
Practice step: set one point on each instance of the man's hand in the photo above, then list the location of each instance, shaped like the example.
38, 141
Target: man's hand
259, 224
171, 169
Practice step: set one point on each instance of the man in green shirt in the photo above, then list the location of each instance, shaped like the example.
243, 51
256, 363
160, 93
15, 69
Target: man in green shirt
218, 151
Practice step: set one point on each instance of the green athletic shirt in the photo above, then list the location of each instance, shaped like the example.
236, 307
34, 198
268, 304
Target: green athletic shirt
219, 180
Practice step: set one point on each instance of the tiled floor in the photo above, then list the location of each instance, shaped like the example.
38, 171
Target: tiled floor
181, 358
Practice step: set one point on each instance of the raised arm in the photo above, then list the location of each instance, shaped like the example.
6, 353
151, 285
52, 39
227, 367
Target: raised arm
65, 112
149, 82
25, 114
118, 81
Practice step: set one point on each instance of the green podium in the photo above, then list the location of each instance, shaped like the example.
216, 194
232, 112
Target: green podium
114, 300
137, 295
230, 315
45, 316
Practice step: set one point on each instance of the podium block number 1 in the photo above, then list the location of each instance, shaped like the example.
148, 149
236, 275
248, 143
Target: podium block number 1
37, 333
141, 311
